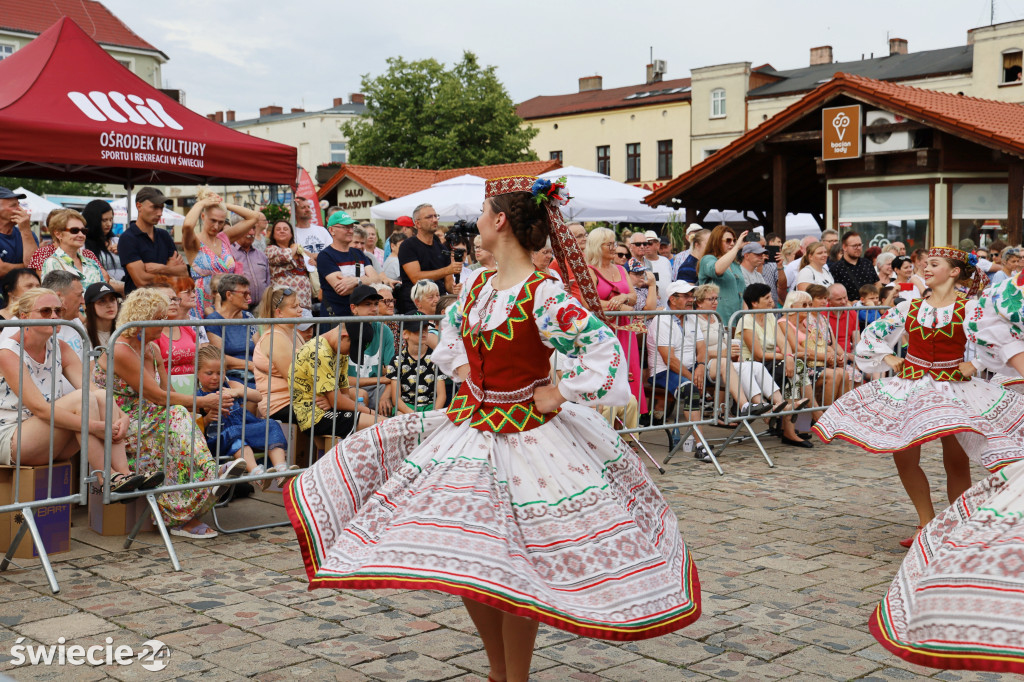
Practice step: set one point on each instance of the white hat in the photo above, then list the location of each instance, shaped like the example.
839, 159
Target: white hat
651, 234
305, 325
693, 227
680, 287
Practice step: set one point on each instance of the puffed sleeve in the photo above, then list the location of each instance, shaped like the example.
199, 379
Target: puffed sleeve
995, 324
880, 338
596, 372
450, 353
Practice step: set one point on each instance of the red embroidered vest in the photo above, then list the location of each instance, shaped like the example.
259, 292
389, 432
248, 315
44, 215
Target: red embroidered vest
505, 365
935, 352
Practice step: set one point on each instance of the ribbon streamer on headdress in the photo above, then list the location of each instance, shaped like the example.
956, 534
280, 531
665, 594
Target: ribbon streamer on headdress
563, 244
978, 281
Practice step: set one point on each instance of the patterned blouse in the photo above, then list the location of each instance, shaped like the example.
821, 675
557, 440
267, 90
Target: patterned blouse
91, 272
318, 368
417, 379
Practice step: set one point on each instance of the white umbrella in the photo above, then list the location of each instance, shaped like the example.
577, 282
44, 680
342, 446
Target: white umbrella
596, 197
121, 214
37, 206
457, 198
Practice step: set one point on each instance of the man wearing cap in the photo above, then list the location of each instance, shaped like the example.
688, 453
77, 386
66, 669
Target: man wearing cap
368, 372
16, 245
752, 257
424, 257
406, 226
312, 238
660, 266
341, 267
145, 251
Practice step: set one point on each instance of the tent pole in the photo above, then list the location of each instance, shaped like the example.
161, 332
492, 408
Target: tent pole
128, 201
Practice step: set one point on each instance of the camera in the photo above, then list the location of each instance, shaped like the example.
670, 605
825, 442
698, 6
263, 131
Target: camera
459, 254
462, 234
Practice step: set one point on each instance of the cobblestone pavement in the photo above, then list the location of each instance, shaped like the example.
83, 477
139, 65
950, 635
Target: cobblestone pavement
791, 562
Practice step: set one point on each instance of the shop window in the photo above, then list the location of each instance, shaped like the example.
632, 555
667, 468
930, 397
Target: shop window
979, 212
604, 160
6, 50
633, 162
555, 156
884, 214
339, 152
664, 159
718, 103
1012, 65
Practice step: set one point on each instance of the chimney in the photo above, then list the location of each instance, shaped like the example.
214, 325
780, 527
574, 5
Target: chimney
357, 98
212, 117
229, 115
821, 55
219, 117
897, 46
296, 110
338, 101
588, 83
271, 110
654, 75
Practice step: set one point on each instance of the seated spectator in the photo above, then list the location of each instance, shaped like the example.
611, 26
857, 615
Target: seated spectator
644, 285
178, 344
416, 383
275, 349
391, 267
15, 283
485, 259
386, 307
289, 264
162, 438
53, 399
237, 341
542, 261
826, 360
253, 262
843, 324
1009, 266
425, 296
868, 297
323, 402
69, 287
102, 304
17, 241
101, 242
67, 228
145, 250
883, 266
237, 432
368, 373
444, 302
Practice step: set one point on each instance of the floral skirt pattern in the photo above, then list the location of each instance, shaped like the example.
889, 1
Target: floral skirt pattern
560, 523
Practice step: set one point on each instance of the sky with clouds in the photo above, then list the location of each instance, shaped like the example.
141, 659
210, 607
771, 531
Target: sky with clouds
244, 54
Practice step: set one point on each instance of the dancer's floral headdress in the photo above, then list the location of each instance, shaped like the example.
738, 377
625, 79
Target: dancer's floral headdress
978, 281
570, 258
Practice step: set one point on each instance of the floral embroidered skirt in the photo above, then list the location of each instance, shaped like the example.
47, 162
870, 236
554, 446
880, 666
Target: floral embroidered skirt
957, 600
894, 414
560, 523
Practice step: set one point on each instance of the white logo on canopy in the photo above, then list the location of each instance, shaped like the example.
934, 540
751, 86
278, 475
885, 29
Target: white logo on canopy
100, 106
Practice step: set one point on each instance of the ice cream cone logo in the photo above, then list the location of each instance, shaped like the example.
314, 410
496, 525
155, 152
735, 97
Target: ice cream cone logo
841, 122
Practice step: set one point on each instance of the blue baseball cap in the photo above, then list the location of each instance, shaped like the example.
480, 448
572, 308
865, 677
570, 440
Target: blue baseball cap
8, 194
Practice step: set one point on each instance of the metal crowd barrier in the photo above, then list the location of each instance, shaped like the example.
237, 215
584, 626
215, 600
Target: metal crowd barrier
27, 504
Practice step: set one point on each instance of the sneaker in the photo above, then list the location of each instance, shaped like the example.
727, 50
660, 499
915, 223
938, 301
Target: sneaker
702, 454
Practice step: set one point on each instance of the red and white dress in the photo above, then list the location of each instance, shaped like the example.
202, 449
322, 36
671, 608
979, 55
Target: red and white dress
548, 516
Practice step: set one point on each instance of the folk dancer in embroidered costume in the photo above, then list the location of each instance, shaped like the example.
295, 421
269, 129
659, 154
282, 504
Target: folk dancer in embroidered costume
527, 506
956, 601
932, 395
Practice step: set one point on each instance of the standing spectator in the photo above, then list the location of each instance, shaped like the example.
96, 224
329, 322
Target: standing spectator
853, 270
792, 268
423, 257
391, 267
102, 303
67, 228
898, 248
542, 261
68, 286
372, 247
404, 226
312, 238
908, 285
752, 258
146, 251
368, 372
621, 254
660, 266
287, 262
17, 243
100, 240
883, 266
830, 238
13, 285
260, 242
788, 252
688, 268
579, 233
637, 244
342, 267
665, 250
718, 266
359, 242
208, 247
253, 262
237, 341
1010, 267
678, 260
814, 268
485, 259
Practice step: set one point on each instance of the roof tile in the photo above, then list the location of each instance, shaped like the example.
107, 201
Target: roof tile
597, 100
93, 17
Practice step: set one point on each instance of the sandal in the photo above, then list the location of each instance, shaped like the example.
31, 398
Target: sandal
125, 483
198, 532
153, 480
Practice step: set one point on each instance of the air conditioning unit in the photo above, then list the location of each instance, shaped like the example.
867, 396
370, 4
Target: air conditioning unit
887, 141
660, 66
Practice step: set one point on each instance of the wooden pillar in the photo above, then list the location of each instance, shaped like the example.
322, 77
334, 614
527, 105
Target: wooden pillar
779, 195
1015, 201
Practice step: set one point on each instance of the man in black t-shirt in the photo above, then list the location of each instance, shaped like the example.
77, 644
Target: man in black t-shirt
147, 251
424, 257
341, 268
853, 270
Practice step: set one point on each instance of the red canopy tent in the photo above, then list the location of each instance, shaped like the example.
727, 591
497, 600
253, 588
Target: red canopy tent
68, 110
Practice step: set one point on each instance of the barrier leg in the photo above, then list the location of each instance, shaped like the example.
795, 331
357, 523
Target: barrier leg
710, 451
154, 510
640, 445
757, 440
30, 526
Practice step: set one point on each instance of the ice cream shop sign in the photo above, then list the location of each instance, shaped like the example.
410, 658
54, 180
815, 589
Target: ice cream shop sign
840, 132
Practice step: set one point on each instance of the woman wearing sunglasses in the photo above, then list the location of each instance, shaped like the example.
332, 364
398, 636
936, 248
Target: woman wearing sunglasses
67, 228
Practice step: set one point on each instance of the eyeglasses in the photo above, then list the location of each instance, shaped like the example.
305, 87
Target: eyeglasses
608, 245
711, 299
621, 254
75, 230
55, 311
243, 293
638, 243
728, 240
652, 241
175, 299
387, 301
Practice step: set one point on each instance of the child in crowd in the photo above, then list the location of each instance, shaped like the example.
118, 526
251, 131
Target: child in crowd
419, 386
262, 435
868, 298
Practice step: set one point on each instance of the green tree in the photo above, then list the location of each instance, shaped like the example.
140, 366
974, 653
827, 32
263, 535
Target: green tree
85, 189
421, 115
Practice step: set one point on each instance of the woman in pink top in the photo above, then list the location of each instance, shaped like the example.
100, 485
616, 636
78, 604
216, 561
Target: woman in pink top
178, 344
208, 249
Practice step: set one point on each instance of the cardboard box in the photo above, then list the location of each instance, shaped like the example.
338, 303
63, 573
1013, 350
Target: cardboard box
116, 518
53, 521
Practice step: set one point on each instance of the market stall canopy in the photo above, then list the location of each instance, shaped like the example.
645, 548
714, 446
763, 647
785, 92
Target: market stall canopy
459, 198
169, 217
68, 110
596, 197
37, 206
